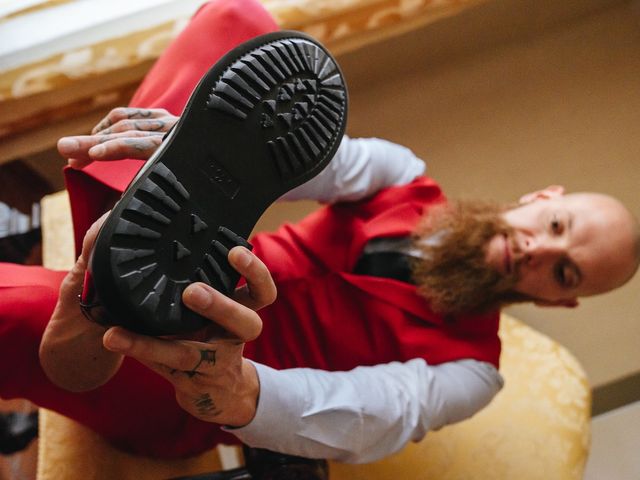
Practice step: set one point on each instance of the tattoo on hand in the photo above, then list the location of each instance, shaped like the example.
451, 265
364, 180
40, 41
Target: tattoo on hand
206, 407
149, 126
130, 113
142, 144
105, 124
206, 357
139, 113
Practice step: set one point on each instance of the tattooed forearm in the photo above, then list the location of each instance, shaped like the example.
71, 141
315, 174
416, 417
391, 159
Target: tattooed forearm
206, 407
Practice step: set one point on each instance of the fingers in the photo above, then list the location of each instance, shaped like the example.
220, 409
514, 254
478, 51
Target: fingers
84, 149
143, 125
127, 113
237, 315
212, 381
139, 145
149, 350
239, 320
123, 133
260, 289
164, 356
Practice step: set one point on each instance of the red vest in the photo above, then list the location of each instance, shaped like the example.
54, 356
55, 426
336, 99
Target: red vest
327, 317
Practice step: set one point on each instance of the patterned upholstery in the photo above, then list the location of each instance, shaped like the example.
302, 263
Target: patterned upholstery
536, 428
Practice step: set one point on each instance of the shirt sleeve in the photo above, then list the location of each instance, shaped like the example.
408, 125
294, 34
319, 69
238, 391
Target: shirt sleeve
360, 168
367, 413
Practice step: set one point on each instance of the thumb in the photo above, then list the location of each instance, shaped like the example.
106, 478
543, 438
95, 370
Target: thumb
72, 284
90, 237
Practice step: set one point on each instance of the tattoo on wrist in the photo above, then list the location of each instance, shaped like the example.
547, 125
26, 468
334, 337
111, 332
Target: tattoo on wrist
206, 407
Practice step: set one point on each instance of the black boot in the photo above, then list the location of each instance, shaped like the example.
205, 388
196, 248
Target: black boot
17, 430
263, 464
234, 474
267, 465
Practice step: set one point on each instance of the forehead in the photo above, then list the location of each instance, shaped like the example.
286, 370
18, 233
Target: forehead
600, 239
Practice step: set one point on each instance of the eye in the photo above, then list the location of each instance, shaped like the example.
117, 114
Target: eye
557, 226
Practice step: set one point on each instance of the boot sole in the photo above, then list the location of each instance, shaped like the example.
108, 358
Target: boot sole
266, 118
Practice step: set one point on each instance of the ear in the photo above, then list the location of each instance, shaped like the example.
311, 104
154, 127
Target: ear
552, 191
568, 302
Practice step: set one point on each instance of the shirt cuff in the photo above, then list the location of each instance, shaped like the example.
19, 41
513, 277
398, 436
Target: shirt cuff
281, 403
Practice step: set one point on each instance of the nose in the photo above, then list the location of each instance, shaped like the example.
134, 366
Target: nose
537, 250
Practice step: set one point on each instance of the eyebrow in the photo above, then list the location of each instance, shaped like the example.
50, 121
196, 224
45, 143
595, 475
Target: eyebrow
570, 220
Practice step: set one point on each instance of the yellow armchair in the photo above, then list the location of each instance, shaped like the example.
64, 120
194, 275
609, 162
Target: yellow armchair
537, 427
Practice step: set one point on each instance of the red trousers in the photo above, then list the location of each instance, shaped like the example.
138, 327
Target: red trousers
137, 410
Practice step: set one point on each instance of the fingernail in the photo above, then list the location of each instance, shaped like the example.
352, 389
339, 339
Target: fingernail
243, 257
67, 145
118, 342
97, 151
198, 296
75, 163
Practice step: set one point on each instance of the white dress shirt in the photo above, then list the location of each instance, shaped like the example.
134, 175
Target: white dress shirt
369, 412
